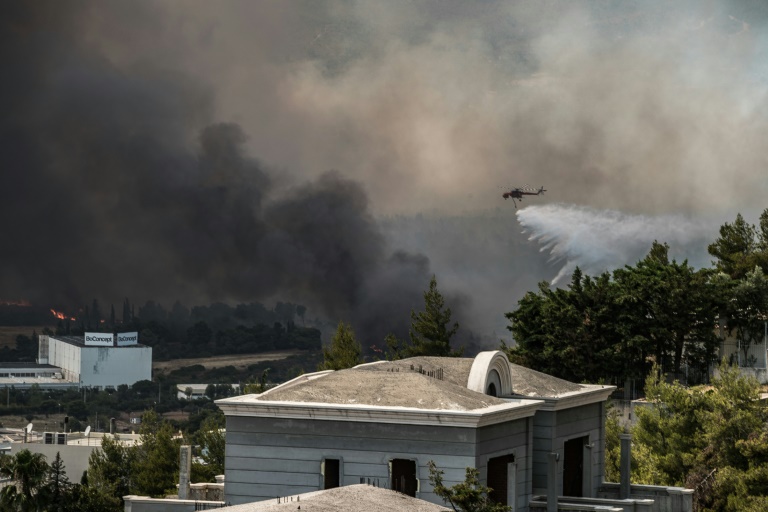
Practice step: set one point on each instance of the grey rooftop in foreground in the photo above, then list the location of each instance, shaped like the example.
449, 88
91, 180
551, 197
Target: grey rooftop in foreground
422, 382
362, 386
418, 390
350, 498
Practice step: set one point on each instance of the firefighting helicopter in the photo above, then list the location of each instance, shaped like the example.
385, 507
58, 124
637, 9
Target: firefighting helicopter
519, 192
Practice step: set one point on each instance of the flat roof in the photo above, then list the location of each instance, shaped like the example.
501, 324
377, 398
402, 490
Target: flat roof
419, 390
43, 382
451, 369
456, 370
533, 384
28, 366
79, 341
367, 386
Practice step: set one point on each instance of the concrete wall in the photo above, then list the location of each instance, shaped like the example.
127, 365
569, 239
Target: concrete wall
145, 504
269, 457
66, 356
112, 366
665, 499
553, 428
75, 458
503, 439
206, 491
761, 374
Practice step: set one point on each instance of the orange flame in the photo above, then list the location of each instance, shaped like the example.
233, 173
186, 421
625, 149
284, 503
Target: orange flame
60, 315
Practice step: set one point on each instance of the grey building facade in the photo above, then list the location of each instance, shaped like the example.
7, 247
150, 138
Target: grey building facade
383, 422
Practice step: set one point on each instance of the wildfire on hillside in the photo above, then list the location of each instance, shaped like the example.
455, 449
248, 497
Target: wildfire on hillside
20, 302
60, 315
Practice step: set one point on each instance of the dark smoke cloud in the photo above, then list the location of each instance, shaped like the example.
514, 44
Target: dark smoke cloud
119, 184
639, 107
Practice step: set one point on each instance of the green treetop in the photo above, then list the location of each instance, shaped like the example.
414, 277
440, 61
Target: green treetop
29, 470
467, 496
430, 332
748, 309
712, 439
57, 488
611, 328
109, 468
212, 441
741, 247
156, 465
344, 352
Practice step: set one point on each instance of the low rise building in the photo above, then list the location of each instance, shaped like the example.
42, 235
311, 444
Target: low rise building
96, 360
383, 422
26, 375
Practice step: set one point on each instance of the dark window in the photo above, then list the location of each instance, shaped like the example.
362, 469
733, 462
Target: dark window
331, 479
404, 476
491, 389
498, 476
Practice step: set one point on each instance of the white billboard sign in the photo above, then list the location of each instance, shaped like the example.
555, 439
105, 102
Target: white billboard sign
100, 339
127, 338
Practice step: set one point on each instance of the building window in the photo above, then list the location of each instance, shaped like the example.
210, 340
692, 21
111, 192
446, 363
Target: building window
403, 476
331, 473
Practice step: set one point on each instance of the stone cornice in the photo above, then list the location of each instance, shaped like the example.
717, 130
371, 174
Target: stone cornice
248, 405
592, 394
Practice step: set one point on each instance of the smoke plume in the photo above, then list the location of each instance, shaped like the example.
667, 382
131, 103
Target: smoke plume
249, 150
124, 185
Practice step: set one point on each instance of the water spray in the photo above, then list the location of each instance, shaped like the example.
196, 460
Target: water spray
603, 240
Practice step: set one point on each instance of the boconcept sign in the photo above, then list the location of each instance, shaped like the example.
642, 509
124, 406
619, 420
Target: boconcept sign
100, 339
103, 339
127, 338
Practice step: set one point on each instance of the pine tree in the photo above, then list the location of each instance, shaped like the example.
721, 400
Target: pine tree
395, 348
211, 438
430, 334
109, 469
126, 312
96, 314
156, 468
57, 488
344, 351
738, 249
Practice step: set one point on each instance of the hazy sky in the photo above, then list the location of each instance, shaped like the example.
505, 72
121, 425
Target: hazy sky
246, 150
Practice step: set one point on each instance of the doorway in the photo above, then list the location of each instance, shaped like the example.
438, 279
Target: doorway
573, 467
501, 479
404, 476
331, 476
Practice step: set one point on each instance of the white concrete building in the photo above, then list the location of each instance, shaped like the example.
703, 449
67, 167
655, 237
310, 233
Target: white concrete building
101, 365
75, 448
